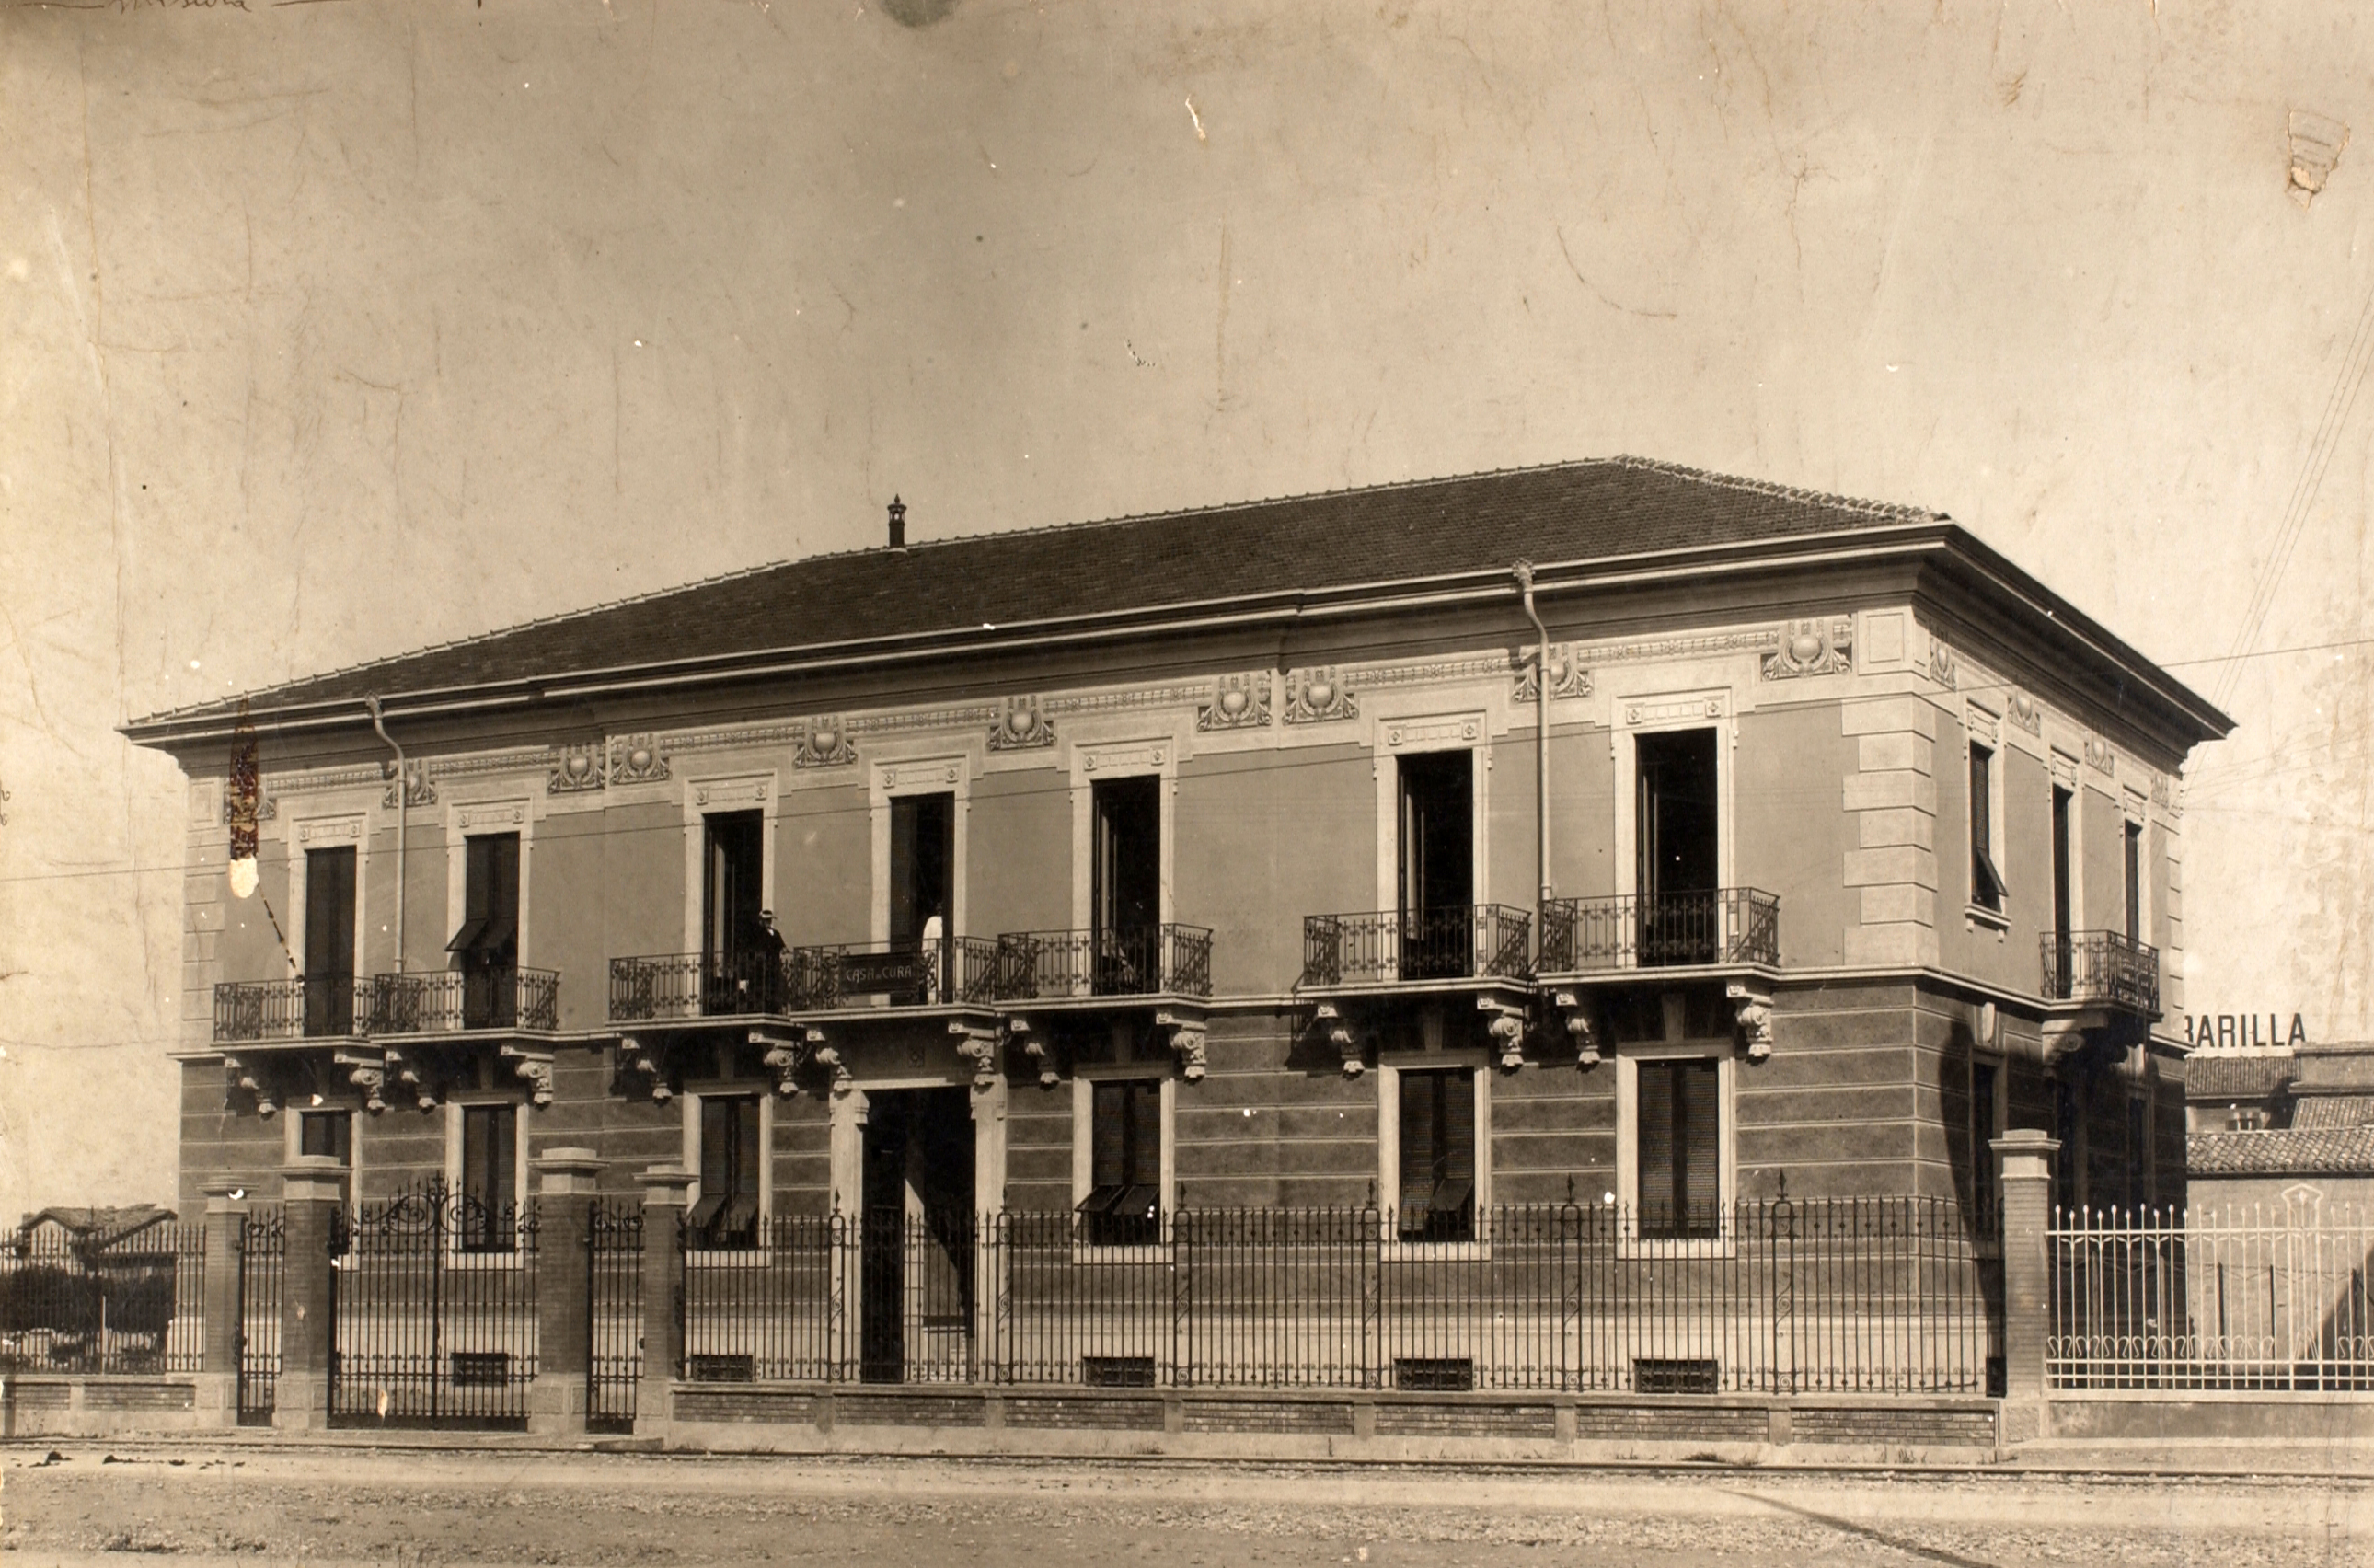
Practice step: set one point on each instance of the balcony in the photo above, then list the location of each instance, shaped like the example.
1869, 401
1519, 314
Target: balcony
317, 1008
955, 972
454, 1001
1488, 941
681, 987
1725, 928
1155, 960
2101, 969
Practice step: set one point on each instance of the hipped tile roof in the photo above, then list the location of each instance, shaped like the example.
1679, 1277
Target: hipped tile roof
2289, 1151
2234, 1077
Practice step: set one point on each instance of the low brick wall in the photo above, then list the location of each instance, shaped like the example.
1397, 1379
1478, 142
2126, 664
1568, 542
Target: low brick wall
2177, 1417
62, 1406
1324, 1424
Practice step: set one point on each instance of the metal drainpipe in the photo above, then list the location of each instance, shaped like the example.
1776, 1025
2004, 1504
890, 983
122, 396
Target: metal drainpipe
1525, 574
403, 821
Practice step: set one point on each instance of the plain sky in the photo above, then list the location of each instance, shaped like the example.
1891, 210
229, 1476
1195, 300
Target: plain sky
331, 330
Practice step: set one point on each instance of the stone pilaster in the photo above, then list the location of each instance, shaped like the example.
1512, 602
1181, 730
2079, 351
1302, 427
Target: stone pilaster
312, 1188
2024, 1176
217, 1401
1892, 798
665, 1187
565, 1183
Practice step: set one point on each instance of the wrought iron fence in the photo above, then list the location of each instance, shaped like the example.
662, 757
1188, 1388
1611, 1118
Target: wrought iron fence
1885, 1295
2269, 1300
688, 986
1630, 931
433, 1312
1487, 940
263, 1271
944, 969
451, 1001
308, 1008
2100, 966
1166, 959
614, 1261
124, 1304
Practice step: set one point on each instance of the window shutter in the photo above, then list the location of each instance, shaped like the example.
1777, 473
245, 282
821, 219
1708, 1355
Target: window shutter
745, 1149
1697, 1131
1144, 1165
1457, 1161
1653, 1137
1109, 1135
1417, 1131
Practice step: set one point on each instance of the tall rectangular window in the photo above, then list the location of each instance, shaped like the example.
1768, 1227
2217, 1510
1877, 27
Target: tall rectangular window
739, 954
2069, 1164
1126, 893
1983, 1132
2140, 1152
2134, 862
727, 1214
923, 864
1438, 864
489, 1177
1437, 1155
487, 942
1679, 1136
329, 941
1124, 1203
1677, 846
1986, 880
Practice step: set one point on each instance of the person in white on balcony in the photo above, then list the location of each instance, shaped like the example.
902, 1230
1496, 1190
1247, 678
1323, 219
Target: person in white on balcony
931, 961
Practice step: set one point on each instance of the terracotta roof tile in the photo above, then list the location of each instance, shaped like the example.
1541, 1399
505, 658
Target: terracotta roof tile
2234, 1077
2282, 1152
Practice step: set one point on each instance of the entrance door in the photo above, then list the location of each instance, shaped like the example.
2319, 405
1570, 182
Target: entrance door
1128, 885
916, 1236
1438, 865
1681, 918
329, 942
922, 858
735, 960
487, 943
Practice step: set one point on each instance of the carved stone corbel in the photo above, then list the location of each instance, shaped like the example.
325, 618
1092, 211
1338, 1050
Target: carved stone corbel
1753, 1007
405, 1072
532, 1068
1506, 1029
1582, 1029
829, 1058
787, 1055
241, 1076
1188, 1040
2064, 1037
977, 1044
1329, 1021
1033, 1040
367, 1074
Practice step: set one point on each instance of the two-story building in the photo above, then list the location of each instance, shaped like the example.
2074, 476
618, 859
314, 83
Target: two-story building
1606, 832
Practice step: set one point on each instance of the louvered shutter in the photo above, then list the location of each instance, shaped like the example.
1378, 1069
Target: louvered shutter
1144, 1164
1697, 1136
1110, 1131
1654, 1139
1417, 1153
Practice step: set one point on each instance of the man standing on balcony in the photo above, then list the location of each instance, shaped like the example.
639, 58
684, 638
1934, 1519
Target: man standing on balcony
767, 946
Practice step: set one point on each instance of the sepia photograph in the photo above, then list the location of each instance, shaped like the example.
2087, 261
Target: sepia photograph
1240, 781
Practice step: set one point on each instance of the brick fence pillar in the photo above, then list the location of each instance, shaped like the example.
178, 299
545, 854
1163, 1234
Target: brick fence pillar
564, 1180
2023, 1174
665, 1188
312, 1190
217, 1396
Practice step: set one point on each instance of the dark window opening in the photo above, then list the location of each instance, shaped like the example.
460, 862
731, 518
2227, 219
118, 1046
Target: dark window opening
740, 958
727, 1214
2139, 1153
1127, 895
1983, 1132
1124, 1203
2135, 864
2064, 907
329, 941
1438, 865
2068, 1125
1437, 1183
489, 1177
1675, 843
1986, 881
1679, 1142
922, 858
487, 943
326, 1132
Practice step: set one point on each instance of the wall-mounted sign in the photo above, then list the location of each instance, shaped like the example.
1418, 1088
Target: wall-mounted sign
2212, 1031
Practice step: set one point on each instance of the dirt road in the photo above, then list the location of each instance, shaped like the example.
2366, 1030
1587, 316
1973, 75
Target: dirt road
323, 1506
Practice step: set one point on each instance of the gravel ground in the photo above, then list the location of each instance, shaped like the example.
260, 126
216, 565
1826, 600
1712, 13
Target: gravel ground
340, 1507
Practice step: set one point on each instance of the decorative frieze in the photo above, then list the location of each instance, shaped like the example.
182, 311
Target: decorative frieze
731, 792
1431, 731
1183, 694
1236, 702
1714, 642
1811, 647
2025, 711
1433, 672
1569, 675
418, 790
2064, 768
1942, 669
1982, 726
575, 770
746, 737
823, 742
1023, 728
1146, 754
918, 772
510, 815
347, 827
908, 720
479, 766
2100, 756
1674, 707
1316, 696
636, 759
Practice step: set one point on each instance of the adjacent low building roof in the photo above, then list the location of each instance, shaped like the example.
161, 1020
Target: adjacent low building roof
1132, 572
96, 1227
2210, 1077
2288, 1151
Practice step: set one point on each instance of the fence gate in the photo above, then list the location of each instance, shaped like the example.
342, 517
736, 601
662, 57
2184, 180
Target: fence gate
263, 1258
614, 1258
432, 1313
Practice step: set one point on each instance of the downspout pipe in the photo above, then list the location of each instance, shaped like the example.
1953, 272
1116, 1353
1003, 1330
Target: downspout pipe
1524, 570
403, 820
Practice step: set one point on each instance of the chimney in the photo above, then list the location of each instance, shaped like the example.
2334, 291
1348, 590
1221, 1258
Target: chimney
898, 524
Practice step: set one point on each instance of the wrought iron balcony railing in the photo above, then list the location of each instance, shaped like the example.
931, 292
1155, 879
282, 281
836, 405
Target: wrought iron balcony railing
1149, 961
311, 1007
2101, 967
669, 987
1721, 925
1391, 946
453, 1001
938, 972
